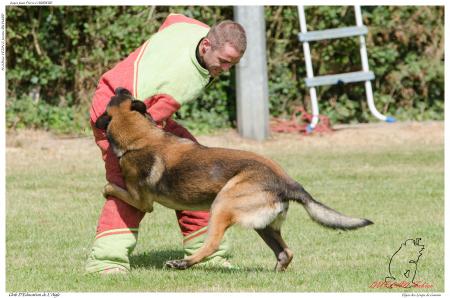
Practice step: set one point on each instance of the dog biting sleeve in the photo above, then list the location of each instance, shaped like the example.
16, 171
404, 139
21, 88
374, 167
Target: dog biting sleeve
164, 73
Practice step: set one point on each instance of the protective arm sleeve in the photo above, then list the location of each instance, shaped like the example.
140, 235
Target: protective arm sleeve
161, 107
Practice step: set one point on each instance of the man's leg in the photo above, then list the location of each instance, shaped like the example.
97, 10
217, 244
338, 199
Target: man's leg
194, 224
116, 237
118, 225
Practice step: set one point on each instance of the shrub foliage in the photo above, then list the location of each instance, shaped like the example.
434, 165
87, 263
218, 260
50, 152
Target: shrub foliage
55, 56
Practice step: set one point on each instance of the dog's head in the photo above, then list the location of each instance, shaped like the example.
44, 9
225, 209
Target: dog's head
121, 102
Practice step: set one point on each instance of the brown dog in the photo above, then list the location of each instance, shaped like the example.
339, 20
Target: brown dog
237, 186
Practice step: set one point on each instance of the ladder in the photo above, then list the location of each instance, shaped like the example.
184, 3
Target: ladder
360, 76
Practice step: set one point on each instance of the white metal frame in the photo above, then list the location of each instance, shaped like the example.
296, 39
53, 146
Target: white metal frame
366, 75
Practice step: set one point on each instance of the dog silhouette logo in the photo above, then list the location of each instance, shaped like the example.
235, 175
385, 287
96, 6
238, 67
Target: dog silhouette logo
403, 263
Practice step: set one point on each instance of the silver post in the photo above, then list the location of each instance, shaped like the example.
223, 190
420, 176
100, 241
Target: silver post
251, 75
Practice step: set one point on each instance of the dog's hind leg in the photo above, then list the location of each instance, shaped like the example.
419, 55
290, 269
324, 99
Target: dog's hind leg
219, 222
273, 239
222, 215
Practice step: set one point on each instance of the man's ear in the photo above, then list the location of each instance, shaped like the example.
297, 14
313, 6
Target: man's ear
205, 45
137, 105
103, 121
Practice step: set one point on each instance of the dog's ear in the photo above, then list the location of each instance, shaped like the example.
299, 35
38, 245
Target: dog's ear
122, 91
115, 101
137, 105
103, 121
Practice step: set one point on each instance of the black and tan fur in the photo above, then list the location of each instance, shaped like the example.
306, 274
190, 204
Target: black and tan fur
238, 187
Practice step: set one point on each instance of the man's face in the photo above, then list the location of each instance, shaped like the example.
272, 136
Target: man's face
219, 60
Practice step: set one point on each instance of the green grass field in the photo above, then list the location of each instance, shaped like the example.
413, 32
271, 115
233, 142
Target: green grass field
391, 175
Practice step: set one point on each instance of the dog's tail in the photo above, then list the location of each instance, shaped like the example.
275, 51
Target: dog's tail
322, 214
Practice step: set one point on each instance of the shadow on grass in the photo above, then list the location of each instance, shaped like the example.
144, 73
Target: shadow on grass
157, 259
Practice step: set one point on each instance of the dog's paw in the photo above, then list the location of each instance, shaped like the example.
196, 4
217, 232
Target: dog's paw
177, 264
107, 190
148, 209
145, 208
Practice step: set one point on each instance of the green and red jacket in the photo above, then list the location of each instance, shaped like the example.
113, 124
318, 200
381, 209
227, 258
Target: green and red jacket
163, 72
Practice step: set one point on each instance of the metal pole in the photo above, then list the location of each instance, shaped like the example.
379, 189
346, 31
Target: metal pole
365, 67
251, 75
309, 71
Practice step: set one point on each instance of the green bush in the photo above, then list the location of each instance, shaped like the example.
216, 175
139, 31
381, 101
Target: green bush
405, 49
57, 54
27, 113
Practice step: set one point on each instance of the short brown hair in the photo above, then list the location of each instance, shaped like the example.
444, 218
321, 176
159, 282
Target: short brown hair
228, 32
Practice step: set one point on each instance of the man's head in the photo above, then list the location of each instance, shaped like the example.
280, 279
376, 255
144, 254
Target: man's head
223, 47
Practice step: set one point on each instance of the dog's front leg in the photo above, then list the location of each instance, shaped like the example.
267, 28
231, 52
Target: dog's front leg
130, 197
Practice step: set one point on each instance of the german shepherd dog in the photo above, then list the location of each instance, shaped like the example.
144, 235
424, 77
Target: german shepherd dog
236, 186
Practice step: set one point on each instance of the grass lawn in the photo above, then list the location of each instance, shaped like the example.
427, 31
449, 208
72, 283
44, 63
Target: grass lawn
392, 175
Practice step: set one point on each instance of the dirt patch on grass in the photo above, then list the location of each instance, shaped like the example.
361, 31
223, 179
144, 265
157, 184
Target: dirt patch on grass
345, 137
